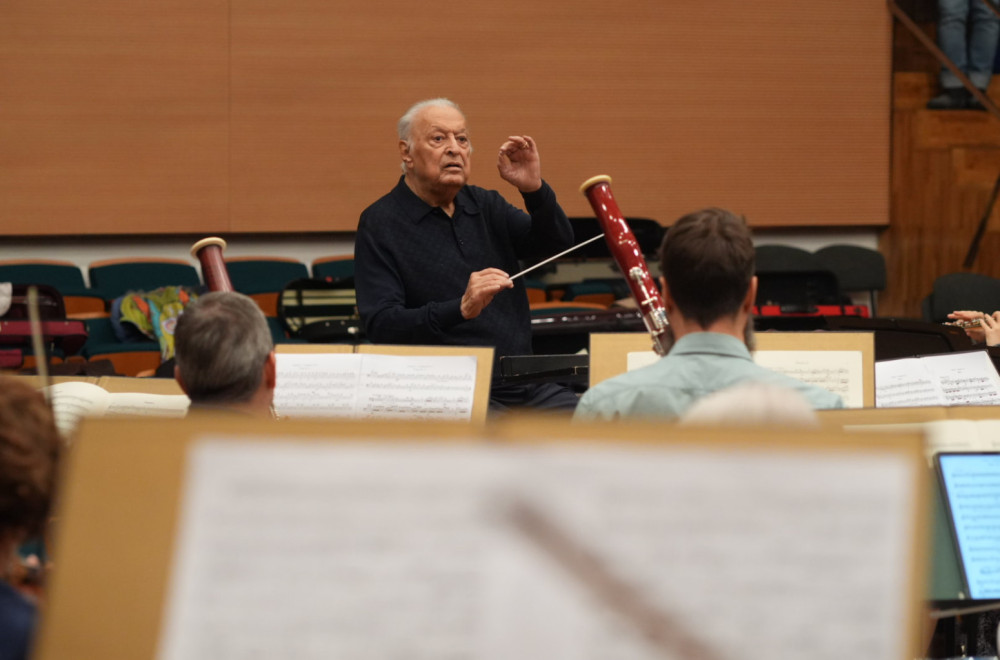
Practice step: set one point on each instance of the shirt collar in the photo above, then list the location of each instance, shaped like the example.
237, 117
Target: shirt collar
711, 342
415, 209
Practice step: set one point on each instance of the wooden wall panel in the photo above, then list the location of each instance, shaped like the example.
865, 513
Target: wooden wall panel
207, 115
944, 166
778, 111
113, 116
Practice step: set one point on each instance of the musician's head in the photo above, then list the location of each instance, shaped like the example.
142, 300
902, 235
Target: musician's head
434, 146
30, 446
225, 353
707, 267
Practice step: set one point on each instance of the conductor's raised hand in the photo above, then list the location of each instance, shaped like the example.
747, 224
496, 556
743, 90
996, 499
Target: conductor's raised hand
483, 286
519, 165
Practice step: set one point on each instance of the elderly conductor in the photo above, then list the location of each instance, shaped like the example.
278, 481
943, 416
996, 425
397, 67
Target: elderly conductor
433, 257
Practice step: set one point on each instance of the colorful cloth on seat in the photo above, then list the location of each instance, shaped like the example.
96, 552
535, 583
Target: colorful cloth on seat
154, 313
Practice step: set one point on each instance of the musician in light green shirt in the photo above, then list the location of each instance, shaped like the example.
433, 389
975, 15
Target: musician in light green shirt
707, 265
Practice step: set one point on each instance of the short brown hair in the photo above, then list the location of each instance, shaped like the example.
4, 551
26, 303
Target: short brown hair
707, 259
30, 446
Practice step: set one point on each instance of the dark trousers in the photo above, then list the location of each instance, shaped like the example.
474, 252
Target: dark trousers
540, 396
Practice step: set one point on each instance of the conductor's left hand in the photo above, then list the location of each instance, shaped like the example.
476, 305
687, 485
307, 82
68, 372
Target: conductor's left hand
519, 165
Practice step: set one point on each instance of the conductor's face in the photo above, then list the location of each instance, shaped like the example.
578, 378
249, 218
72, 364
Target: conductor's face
437, 157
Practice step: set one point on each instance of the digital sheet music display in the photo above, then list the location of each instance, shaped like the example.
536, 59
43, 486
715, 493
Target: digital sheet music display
972, 487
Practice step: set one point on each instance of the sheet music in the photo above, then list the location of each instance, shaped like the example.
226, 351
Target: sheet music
361, 551
317, 384
149, 405
417, 387
73, 400
951, 379
840, 372
375, 386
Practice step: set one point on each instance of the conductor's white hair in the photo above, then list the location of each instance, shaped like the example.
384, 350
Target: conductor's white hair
751, 404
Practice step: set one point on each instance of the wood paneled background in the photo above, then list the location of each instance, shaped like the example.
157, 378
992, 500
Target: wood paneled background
135, 116
944, 165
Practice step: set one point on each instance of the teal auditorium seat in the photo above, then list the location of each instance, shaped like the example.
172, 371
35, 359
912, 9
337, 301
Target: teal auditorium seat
128, 358
264, 278
336, 268
116, 277
64, 276
264, 274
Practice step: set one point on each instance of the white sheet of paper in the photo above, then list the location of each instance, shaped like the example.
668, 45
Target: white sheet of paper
375, 386
950, 379
364, 551
72, 400
317, 384
417, 386
841, 372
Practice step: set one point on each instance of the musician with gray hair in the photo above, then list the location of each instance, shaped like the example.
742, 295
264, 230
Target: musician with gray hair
225, 355
433, 257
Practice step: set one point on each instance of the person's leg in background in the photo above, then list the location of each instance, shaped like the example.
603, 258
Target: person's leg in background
983, 34
952, 33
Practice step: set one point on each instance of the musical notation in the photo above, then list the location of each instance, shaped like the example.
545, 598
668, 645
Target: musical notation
954, 379
375, 386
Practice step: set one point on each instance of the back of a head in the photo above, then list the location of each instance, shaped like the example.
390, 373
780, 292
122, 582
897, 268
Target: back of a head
30, 447
707, 259
222, 343
752, 404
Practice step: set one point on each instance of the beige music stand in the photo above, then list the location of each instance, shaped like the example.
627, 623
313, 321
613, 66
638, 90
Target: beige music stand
314, 348
118, 384
120, 502
609, 351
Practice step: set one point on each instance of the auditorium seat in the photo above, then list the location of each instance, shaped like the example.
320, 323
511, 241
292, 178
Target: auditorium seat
116, 277
857, 269
264, 278
128, 358
65, 276
599, 293
559, 306
337, 267
955, 291
792, 277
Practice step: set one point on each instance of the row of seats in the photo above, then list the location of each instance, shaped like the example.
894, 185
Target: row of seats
787, 275
262, 278
791, 274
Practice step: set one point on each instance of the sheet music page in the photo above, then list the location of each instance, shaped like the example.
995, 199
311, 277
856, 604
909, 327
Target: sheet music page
317, 384
640, 359
967, 379
950, 379
417, 386
840, 372
73, 400
905, 383
361, 551
138, 403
